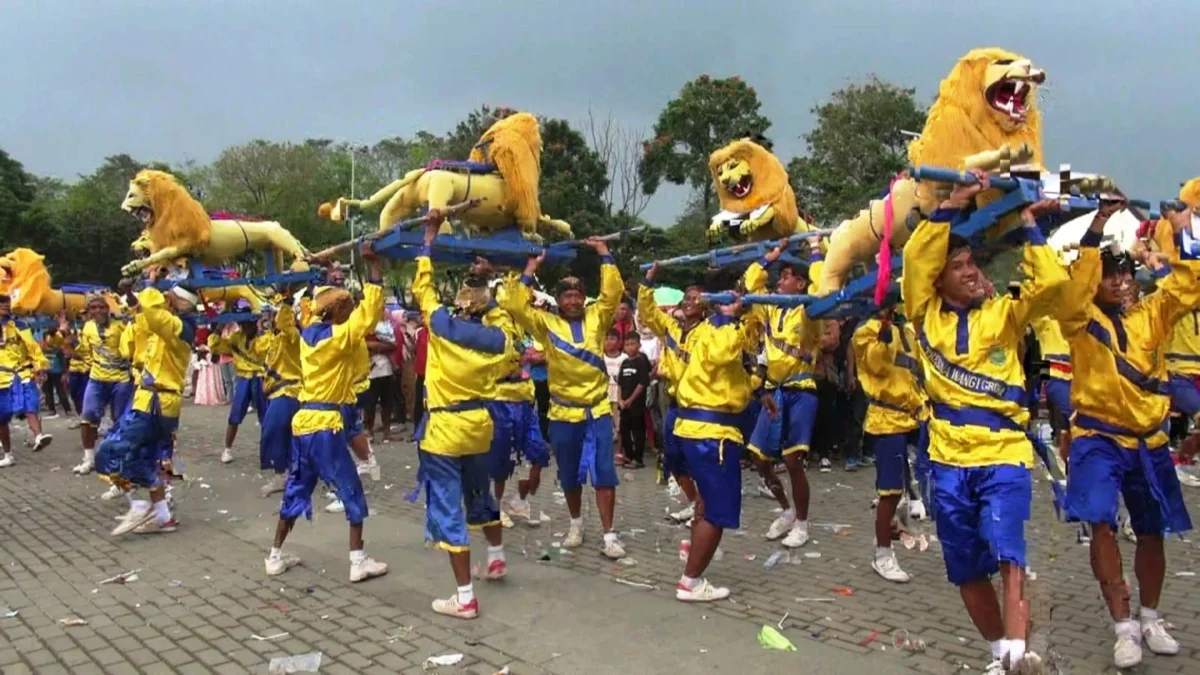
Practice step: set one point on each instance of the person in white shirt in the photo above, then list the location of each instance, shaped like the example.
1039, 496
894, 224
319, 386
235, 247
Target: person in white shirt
613, 358
381, 393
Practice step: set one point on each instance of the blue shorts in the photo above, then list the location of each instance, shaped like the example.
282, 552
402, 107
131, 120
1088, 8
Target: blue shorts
791, 431
1185, 397
980, 513
597, 462
891, 460
27, 398
97, 396
322, 455
921, 464
1101, 469
716, 467
247, 390
674, 459
352, 420
275, 441
458, 496
516, 436
1058, 397
131, 453
750, 417
6, 405
77, 384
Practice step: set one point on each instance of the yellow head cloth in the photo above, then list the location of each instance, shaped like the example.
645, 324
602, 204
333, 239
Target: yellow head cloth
329, 298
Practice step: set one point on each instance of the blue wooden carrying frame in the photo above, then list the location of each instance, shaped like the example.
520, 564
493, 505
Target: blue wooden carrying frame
506, 247
738, 254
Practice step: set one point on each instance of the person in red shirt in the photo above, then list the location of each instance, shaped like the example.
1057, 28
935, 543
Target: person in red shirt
623, 322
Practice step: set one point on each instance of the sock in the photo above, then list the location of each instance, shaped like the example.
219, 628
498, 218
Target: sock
789, 515
161, 513
276, 553
610, 538
139, 505
1016, 651
89, 455
802, 525
883, 552
997, 649
1148, 615
1126, 628
358, 557
495, 553
577, 522
688, 582
466, 595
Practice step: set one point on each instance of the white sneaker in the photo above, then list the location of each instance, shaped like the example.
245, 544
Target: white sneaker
153, 526
367, 569
452, 607
780, 527
685, 514
274, 485
330, 495
1126, 526
51, 416
226, 456
888, 567
1185, 477
916, 510
132, 520
703, 592
277, 566
112, 493
520, 508
825, 466
574, 538
996, 667
505, 521
335, 506
89, 462
1127, 652
7, 460
75, 423
1154, 634
42, 442
796, 538
613, 550
763, 490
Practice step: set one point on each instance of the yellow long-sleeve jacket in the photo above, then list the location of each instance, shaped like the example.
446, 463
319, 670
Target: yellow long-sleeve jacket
169, 350
362, 366
103, 344
81, 357
328, 367
279, 350
714, 388
574, 352
1183, 347
1120, 356
135, 345
241, 347
887, 371
1054, 347
973, 375
678, 341
514, 384
20, 354
465, 358
790, 336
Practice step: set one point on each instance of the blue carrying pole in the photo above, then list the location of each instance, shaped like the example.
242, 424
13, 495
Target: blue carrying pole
737, 253
776, 299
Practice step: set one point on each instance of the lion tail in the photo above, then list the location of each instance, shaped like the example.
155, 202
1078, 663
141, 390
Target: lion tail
328, 210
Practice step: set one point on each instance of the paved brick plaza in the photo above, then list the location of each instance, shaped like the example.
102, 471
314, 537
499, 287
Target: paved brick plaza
201, 592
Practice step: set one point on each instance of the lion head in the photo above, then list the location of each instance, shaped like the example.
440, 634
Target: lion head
1189, 193
989, 99
171, 215
27, 277
747, 176
514, 145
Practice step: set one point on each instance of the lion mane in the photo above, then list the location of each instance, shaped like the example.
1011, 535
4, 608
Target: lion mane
770, 181
1189, 193
514, 145
179, 220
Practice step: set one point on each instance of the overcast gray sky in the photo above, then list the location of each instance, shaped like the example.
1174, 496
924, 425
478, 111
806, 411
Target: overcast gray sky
183, 79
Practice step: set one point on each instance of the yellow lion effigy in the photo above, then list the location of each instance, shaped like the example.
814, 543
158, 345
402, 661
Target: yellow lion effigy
985, 115
177, 226
28, 286
225, 294
509, 193
752, 186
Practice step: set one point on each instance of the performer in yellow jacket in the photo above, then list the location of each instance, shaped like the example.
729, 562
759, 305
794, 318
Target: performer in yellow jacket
320, 449
20, 358
278, 347
78, 367
580, 428
131, 455
108, 384
783, 430
1118, 444
887, 371
980, 455
1057, 352
248, 383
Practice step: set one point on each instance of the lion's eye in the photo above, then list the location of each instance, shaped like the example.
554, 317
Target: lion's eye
1004, 62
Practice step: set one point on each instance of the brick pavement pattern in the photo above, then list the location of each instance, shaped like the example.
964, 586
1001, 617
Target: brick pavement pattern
202, 594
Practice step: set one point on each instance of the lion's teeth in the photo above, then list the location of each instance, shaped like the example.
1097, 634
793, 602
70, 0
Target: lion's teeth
1020, 87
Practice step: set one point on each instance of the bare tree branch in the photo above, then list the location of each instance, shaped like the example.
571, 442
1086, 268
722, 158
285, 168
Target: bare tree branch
620, 149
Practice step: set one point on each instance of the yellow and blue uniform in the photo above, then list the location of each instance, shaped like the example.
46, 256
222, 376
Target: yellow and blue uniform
362, 384
108, 381
320, 447
517, 434
1058, 353
77, 371
467, 355
1121, 397
248, 367
130, 455
887, 372
677, 341
712, 393
20, 357
790, 339
135, 347
580, 431
1183, 348
980, 455
279, 350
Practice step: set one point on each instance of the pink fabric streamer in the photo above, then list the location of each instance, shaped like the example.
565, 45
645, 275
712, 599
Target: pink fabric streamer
883, 280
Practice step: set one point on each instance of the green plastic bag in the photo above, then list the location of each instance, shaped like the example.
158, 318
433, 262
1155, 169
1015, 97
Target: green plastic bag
772, 639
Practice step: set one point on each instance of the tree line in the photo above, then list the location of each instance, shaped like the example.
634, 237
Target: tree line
597, 175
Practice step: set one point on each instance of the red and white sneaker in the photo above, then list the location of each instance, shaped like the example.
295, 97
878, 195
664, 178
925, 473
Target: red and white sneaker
155, 527
497, 569
452, 608
703, 592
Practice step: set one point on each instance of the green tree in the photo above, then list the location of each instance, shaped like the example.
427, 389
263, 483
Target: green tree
17, 192
707, 114
855, 149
